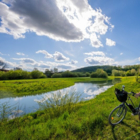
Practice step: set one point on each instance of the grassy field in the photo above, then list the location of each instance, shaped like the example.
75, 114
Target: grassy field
12, 88
85, 120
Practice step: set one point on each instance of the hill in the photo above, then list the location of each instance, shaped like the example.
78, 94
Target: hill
106, 68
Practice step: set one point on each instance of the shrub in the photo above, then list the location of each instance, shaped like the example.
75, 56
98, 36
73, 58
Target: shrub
36, 74
118, 73
128, 73
94, 75
79, 74
99, 74
3, 75
69, 74
56, 75
87, 74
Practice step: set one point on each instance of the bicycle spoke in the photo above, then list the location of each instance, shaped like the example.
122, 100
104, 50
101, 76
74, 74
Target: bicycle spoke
117, 115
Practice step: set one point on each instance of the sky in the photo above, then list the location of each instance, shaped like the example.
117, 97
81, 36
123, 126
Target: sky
69, 34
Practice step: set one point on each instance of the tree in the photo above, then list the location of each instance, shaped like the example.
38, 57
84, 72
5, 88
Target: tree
55, 70
56, 75
48, 73
3, 64
99, 73
17, 68
36, 74
35, 69
133, 72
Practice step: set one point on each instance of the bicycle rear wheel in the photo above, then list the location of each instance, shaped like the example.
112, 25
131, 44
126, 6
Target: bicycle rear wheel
117, 114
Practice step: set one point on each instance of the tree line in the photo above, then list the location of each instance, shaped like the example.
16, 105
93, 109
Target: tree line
35, 74
21, 74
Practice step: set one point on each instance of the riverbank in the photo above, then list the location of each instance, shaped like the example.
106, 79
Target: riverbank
86, 120
13, 88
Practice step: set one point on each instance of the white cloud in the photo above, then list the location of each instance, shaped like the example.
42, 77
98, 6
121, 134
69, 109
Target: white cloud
110, 42
97, 53
29, 63
47, 55
59, 20
99, 60
73, 62
60, 57
65, 67
9, 65
26, 60
121, 53
139, 58
20, 53
95, 42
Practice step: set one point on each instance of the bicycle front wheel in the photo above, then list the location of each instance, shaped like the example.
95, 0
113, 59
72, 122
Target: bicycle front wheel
117, 114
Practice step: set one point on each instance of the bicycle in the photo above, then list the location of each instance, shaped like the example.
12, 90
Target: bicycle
118, 114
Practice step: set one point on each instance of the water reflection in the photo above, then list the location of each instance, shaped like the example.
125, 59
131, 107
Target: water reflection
87, 91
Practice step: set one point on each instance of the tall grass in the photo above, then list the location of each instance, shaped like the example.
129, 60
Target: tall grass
58, 102
8, 112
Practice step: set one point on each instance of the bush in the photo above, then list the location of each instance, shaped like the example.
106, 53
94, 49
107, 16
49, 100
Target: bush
56, 75
69, 74
3, 75
128, 73
94, 75
87, 74
36, 74
99, 74
79, 74
118, 73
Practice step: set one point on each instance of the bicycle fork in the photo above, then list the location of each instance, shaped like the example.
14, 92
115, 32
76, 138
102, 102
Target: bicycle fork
120, 111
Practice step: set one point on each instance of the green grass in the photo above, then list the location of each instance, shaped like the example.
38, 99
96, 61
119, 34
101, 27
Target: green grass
87, 120
12, 88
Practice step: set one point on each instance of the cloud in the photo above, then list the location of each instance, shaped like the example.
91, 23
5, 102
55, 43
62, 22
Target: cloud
64, 66
26, 60
121, 53
73, 62
99, 60
20, 53
97, 53
59, 20
60, 57
47, 55
9, 65
29, 63
95, 42
110, 42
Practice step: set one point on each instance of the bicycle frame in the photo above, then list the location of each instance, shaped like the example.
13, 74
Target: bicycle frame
120, 113
132, 106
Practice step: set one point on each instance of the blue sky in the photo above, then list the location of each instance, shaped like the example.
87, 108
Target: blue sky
69, 34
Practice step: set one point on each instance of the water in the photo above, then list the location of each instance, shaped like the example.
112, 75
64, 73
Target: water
87, 90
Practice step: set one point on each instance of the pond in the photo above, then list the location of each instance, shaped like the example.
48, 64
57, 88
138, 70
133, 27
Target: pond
88, 91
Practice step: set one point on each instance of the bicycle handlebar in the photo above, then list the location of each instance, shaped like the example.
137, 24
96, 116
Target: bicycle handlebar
133, 94
123, 87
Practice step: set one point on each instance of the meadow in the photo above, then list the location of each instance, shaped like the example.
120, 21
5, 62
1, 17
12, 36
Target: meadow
13, 88
83, 120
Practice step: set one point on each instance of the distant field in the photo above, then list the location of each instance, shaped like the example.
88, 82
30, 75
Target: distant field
11, 88
86, 120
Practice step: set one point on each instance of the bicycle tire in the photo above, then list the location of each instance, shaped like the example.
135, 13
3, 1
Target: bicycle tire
122, 110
